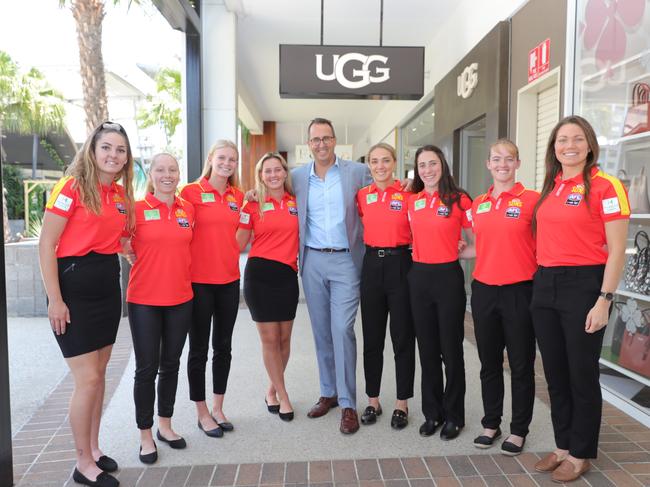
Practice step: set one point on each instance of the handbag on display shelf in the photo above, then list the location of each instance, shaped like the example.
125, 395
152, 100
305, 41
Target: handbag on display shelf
623, 178
637, 118
638, 265
635, 347
638, 193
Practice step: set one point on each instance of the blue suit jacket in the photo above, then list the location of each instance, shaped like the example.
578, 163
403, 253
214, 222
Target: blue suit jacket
354, 176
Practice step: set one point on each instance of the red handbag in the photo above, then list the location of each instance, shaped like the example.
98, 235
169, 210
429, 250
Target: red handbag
635, 353
637, 119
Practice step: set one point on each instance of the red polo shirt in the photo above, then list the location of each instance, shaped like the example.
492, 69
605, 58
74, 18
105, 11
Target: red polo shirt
505, 246
214, 249
571, 230
436, 227
160, 275
384, 215
275, 236
86, 232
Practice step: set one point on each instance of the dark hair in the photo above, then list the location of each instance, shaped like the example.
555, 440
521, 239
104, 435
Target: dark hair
321, 121
448, 190
553, 166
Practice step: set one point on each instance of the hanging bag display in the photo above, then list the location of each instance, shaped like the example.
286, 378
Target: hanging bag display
638, 193
637, 119
638, 264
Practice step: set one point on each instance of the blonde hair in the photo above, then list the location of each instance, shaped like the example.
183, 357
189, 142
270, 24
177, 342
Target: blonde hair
508, 144
149, 188
233, 180
84, 170
385, 146
260, 187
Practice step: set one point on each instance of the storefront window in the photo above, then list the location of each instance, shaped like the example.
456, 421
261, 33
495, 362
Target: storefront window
415, 133
612, 91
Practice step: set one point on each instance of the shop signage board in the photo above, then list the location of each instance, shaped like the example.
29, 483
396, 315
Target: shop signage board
539, 60
467, 81
348, 72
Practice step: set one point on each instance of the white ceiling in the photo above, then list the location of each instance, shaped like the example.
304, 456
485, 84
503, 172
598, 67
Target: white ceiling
264, 24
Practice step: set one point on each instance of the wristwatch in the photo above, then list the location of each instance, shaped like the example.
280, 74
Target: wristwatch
607, 296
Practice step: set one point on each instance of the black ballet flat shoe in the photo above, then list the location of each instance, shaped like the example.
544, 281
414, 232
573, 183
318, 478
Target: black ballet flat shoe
226, 425
149, 458
485, 441
449, 431
177, 444
272, 408
429, 427
370, 414
107, 464
213, 433
103, 479
286, 416
399, 420
510, 449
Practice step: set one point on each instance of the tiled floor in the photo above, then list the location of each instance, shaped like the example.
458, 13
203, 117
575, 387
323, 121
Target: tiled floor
44, 455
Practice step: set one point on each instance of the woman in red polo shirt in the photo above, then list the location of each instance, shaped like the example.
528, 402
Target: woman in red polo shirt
384, 212
437, 212
270, 278
215, 280
581, 222
85, 218
159, 297
501, 292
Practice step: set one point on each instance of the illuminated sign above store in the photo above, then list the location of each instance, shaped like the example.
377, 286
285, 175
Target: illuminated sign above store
385, 73
467, 81
539, 60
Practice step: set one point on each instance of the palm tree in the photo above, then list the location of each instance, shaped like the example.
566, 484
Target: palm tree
88, 16
163, 109
28, 105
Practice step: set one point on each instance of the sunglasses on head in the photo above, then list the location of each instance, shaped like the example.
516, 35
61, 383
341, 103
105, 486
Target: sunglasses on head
113, 126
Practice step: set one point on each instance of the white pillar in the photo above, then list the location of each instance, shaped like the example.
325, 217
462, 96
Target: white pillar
219, 76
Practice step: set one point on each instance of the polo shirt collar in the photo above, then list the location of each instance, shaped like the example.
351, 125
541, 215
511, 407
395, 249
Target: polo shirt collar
153, 202
285, 197
577, 178
396, 186
207, 187
516, 190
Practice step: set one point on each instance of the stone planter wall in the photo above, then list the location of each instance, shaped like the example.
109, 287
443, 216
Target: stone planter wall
25, 291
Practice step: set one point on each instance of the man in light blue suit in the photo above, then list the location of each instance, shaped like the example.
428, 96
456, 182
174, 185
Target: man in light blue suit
331, 254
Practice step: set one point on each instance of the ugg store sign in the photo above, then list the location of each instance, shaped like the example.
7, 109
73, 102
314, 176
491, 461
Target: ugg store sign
385, 73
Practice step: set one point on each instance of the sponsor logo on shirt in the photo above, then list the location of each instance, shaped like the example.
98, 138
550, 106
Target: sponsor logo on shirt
207, 198
397, 196
419, 204
484, 207
63, 202
371, 198
231, 199
268, 206
578, 188
611, 205
515, 202
180, 213
573, 199
513, 212
151, 215
396, 205
443, 210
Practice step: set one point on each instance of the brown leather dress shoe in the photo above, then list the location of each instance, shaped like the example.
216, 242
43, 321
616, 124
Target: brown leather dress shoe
349, 421
322, 407
549, 463
568, 472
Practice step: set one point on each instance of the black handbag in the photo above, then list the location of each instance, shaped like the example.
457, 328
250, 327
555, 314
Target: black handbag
637, 269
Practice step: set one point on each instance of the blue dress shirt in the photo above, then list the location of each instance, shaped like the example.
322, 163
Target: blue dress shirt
326, 211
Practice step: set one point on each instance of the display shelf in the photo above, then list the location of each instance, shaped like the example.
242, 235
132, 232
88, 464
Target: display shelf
640, 216
643, 380
630, 294
629, 139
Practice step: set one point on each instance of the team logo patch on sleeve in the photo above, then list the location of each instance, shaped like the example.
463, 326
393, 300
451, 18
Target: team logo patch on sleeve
63, 202
244, 218
468, 214
611, 205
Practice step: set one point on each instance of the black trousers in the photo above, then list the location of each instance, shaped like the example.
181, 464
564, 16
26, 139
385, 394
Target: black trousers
214, 305
562, 297
158, 334
438, 302
502, 320
384, 290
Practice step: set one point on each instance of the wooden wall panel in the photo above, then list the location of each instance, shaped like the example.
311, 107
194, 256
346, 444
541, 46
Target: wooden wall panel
258, 145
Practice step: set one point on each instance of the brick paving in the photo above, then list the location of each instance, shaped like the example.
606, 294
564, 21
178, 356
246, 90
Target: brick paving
44, 455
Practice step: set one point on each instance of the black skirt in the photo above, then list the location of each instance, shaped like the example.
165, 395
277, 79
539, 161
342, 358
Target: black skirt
90, 287
270, 290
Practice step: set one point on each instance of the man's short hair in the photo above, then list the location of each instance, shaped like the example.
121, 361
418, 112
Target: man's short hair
321, 121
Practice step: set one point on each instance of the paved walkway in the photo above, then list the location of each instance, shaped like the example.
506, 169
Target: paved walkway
265, 451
